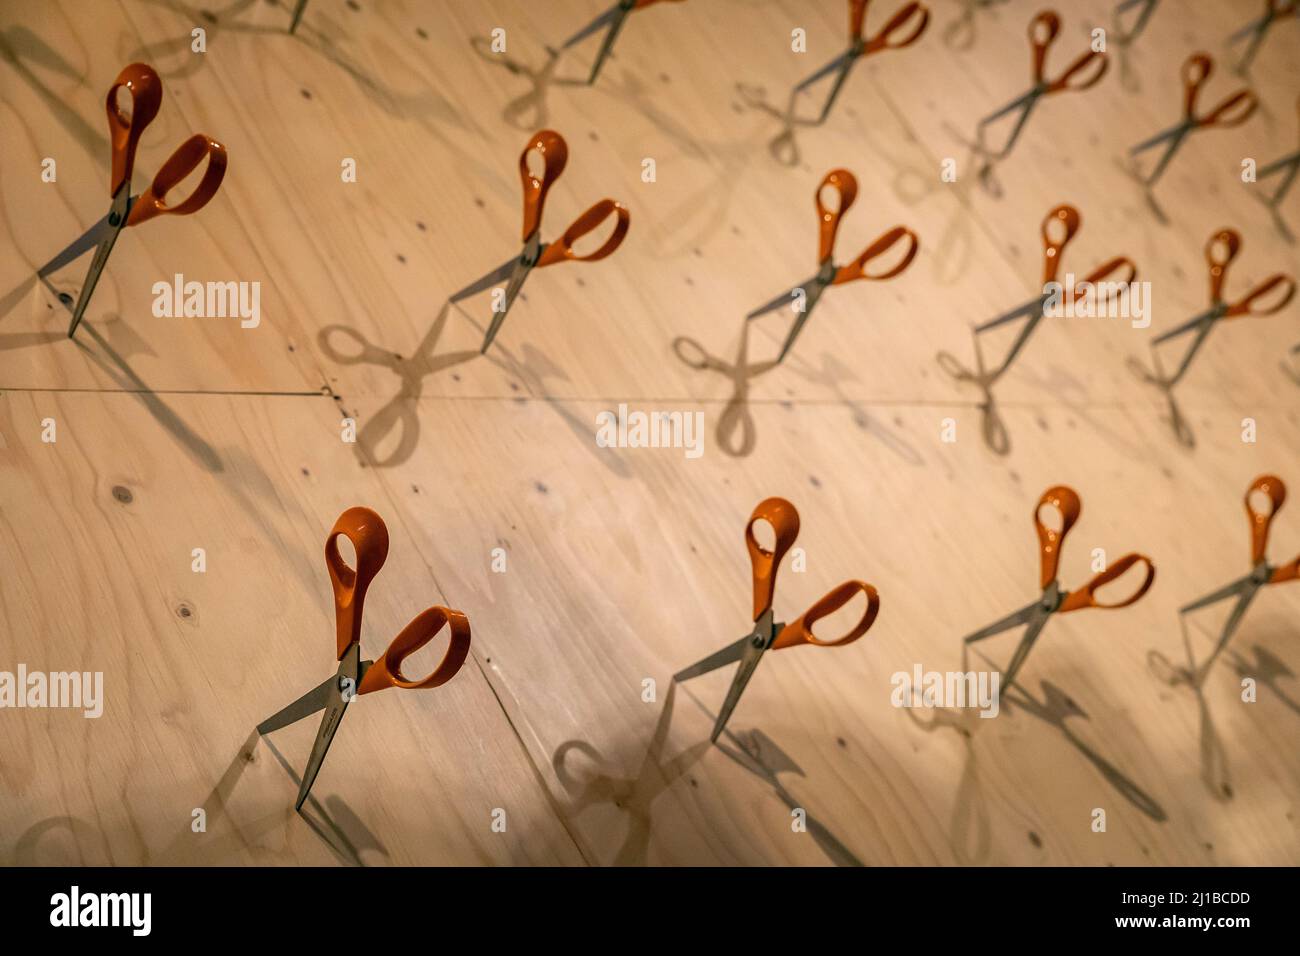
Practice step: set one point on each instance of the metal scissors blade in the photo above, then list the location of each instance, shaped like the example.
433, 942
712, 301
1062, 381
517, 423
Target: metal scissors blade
603, 20
750, 656
304, 706
1022, 651
842, 61
1172, 133
522, 268
1011, 620
349, 669
1027, 309
1236, 587
728, 655
785, 298
619, 14
117, 217
1234, 619
79, 247
1185, 327
495, 277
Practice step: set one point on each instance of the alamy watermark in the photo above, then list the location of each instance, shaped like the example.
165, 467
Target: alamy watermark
636, 429
959, 689
1098, 300
208, 300
59, 689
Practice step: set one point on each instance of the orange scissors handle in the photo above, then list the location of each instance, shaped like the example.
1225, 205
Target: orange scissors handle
857, 19
369, 538
784, 519
1066, 501
881, 40
800, 631
1275, 489
857, 269
562, 248
187, 157
1109, 266
1064, 219
140, 80
1233, 111
845, 185
1086, 595
1221, 249
1043, 29
387, 671
555, 154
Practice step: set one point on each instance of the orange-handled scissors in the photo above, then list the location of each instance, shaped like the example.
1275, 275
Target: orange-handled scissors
1274, 10
1219, 253
862, 45
536, 254
1233, 111
803, 298
1054, 600
146, 90
369, 538
612, 19
767, 635
1261, 572
1043, 30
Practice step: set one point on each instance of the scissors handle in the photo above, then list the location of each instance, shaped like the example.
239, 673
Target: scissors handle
1086, 595
1043, 29
784, 519
857, 19
1109, 266
1196, 70
1063, 218
1275, 489
828, 220
369, 538
140, 80
562, 248
387, 670
1220, 250
555, 154
1066, 501
1081, 63
857, 269
187, 157
1243, 305
800, 631
896, 23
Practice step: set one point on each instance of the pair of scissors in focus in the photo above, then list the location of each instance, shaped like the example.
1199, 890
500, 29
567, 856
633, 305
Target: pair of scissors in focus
1256, 29
1066, 220
1233, 111
804, 297
767, 633
861, 45
1054, 600
536, 254
146, 90
612, 19
1043, 29
354, 677
1261, 572
1220, 251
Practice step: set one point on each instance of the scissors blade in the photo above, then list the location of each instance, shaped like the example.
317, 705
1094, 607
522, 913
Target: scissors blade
842, 61
1027, 309
1254, 26
1022, 651
1008, 622
1174, 132
751, 655
1021, 101
512, 291
1230, 626
79, 247
620, 14
1236, 587
495, 277
116, 223
304, 706
728, 655
785, 298
1180, 329
603, 20
349, 668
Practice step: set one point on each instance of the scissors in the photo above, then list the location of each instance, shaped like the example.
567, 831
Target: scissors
1229, 241
803, 298
860, 45
369, 538
1274, 10
1261, 572
537, 254
1067, 218
1195, 71
1289, 163
146, 91
1125, 38
1043, 29
766, 635
1054, 600
297, 15
613, 19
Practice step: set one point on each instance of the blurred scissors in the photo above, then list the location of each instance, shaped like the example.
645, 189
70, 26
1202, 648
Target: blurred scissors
860, 45
537, 254
1195, 71
1274, 10
1230, 242
1067, 218
1261, 572
767, 635
1043, 29
613, 19
1124, 38
1054, 600
146, 90
297, 15
369, 538
1291, 164
803, 298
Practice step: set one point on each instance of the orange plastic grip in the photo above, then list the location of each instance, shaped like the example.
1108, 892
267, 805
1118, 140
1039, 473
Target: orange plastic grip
896, 23
562, 248
857, 269
1275, 489
145, 88
1069, 219
1086, 595
784, 519
800, 631
1062, 82
1230, 241
1106, 268
369, 538
387, 671
1066, 501
1243, 306
555, 154
828, 220
857, 18
180, 164
1043, 29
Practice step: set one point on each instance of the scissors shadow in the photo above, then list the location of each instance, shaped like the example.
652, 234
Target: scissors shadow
26, 849
1182, 428
784, 146
528, 111
959, 34
633, 795
993, 427
971, 834
736, 432
18, 44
